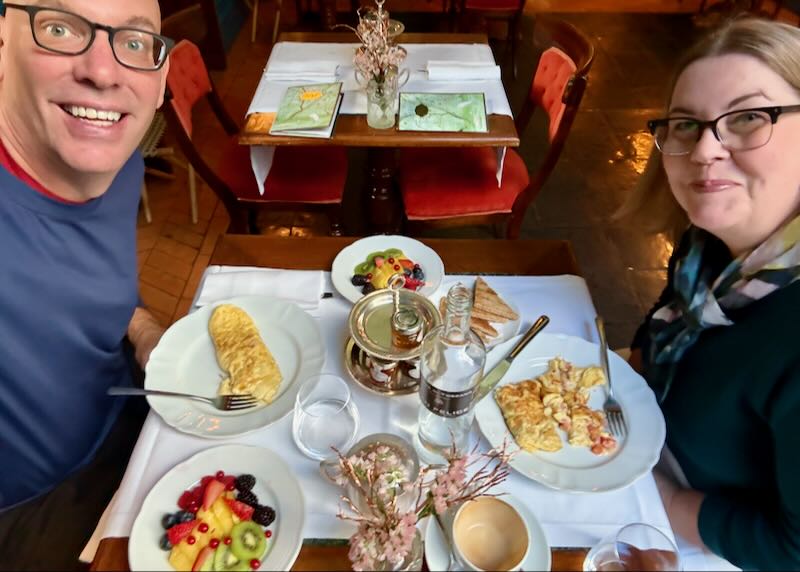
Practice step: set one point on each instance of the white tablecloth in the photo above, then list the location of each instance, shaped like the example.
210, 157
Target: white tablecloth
568, 519
286, 55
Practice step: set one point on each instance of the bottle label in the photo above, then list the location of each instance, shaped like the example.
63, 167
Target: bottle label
446, 403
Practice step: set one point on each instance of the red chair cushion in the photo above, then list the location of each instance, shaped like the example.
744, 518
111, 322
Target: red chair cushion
448, 183
298, 174
187, 81
493, 5
547, 89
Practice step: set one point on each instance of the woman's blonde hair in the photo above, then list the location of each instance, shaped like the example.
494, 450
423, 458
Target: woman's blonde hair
776, 45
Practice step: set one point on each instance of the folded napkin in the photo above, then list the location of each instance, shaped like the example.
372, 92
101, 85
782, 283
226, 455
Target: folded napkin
441, 70
312, 71
303, 287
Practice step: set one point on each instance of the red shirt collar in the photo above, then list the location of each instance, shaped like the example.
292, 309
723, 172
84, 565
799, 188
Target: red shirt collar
8, 162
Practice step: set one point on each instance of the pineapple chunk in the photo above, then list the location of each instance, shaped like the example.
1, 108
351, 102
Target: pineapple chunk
220, 520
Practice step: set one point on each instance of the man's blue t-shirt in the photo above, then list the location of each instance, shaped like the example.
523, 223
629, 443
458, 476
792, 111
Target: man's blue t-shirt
68, 289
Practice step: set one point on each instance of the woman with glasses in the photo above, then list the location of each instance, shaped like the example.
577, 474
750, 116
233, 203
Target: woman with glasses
720, 347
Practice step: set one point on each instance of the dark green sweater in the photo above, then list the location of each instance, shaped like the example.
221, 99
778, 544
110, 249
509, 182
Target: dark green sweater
733, 423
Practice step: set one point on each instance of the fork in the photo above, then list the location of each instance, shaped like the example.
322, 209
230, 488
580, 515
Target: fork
612, 408
221, 402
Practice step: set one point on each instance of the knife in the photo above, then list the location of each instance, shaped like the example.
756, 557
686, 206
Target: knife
491, 379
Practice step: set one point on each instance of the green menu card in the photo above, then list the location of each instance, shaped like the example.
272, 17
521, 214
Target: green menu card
442, 112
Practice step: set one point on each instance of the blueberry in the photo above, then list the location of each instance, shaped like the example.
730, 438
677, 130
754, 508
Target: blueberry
368, 287
359, 279
418, 273
184, 516
169, 520
164, 543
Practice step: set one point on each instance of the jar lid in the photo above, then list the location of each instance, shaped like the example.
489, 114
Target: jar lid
370, 322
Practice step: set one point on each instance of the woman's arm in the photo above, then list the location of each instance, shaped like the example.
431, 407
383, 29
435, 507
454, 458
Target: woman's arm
144, 332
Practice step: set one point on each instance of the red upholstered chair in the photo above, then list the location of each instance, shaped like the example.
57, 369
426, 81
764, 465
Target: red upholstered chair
290, 185
457, 186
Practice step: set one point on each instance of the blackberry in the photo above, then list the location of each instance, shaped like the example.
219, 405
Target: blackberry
245, 482
264, 515
247, 497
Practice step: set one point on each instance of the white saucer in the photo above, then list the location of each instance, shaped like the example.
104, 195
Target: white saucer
538, 556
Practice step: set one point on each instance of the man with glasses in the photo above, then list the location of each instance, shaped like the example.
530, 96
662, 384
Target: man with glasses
80, 81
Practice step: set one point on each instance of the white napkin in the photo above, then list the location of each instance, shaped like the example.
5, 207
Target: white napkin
303, 287
316, 71
441, 70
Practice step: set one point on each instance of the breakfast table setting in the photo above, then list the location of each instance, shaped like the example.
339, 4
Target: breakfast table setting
302, 297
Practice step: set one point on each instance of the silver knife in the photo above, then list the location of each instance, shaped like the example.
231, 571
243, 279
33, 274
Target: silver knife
491, 379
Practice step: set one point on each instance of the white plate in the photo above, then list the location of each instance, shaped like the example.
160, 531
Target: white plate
538, 556
353, 255
576, 468
275, 486
185, 361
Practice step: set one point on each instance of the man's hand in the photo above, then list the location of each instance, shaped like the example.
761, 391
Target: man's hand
144, 331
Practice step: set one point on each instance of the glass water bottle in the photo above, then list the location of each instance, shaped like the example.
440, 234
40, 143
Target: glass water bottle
451, 366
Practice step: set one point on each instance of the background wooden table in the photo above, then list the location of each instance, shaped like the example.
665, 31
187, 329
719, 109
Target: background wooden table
383, 203
518, 257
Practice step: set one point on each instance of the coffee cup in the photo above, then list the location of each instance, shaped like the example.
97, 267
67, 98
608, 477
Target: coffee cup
489, 534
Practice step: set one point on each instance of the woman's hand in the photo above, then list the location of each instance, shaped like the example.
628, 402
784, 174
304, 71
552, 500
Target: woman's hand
682, 506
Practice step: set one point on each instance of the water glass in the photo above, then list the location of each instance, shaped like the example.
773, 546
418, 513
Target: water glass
324, 417
635, 546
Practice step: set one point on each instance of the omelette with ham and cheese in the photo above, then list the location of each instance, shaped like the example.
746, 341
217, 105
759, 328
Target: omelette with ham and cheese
534, 409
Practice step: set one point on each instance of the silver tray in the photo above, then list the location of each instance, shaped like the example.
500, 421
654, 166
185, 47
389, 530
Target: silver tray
355, 360
370, 322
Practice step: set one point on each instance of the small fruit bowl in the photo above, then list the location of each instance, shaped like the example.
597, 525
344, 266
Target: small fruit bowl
369, 263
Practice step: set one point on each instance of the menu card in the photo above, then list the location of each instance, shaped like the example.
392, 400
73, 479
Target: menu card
443, 112
308, 110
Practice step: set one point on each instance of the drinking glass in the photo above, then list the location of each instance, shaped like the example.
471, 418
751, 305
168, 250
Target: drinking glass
635, 546
324, 417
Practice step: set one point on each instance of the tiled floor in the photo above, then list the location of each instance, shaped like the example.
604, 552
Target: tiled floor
608, 146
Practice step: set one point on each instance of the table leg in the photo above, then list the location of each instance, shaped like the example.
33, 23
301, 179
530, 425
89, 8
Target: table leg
328, 10
383, 201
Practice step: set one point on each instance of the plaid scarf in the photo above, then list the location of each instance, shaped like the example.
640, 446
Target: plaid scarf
702, 301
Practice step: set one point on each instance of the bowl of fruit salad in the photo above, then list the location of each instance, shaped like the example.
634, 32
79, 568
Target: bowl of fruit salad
242, 517
369, 263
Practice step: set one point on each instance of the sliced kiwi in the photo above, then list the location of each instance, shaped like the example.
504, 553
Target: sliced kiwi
248, 540
225, 559
392, 252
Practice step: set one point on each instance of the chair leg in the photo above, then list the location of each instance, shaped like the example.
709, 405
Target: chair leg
514, 225
146, 203
514, 41
277, 21
255, 21
193, 193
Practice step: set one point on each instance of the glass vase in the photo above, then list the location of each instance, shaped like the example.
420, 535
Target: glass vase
382, 97
412, 561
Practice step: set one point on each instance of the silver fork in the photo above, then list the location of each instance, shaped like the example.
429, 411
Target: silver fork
612, 408
221, 402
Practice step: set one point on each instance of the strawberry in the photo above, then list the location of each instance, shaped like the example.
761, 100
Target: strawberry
204, 554
243, 511
180, 531
213, 490
185, 500
378, 261
412, 283
227, 480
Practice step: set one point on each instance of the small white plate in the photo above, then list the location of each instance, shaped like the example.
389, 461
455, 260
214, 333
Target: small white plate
353, 255
185, 361
577, 469
276, 486
538, 556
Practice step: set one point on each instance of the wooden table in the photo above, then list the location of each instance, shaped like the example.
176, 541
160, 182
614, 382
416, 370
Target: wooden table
520, 257
352, 131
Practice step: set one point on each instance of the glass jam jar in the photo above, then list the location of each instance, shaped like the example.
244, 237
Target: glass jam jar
406, 328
